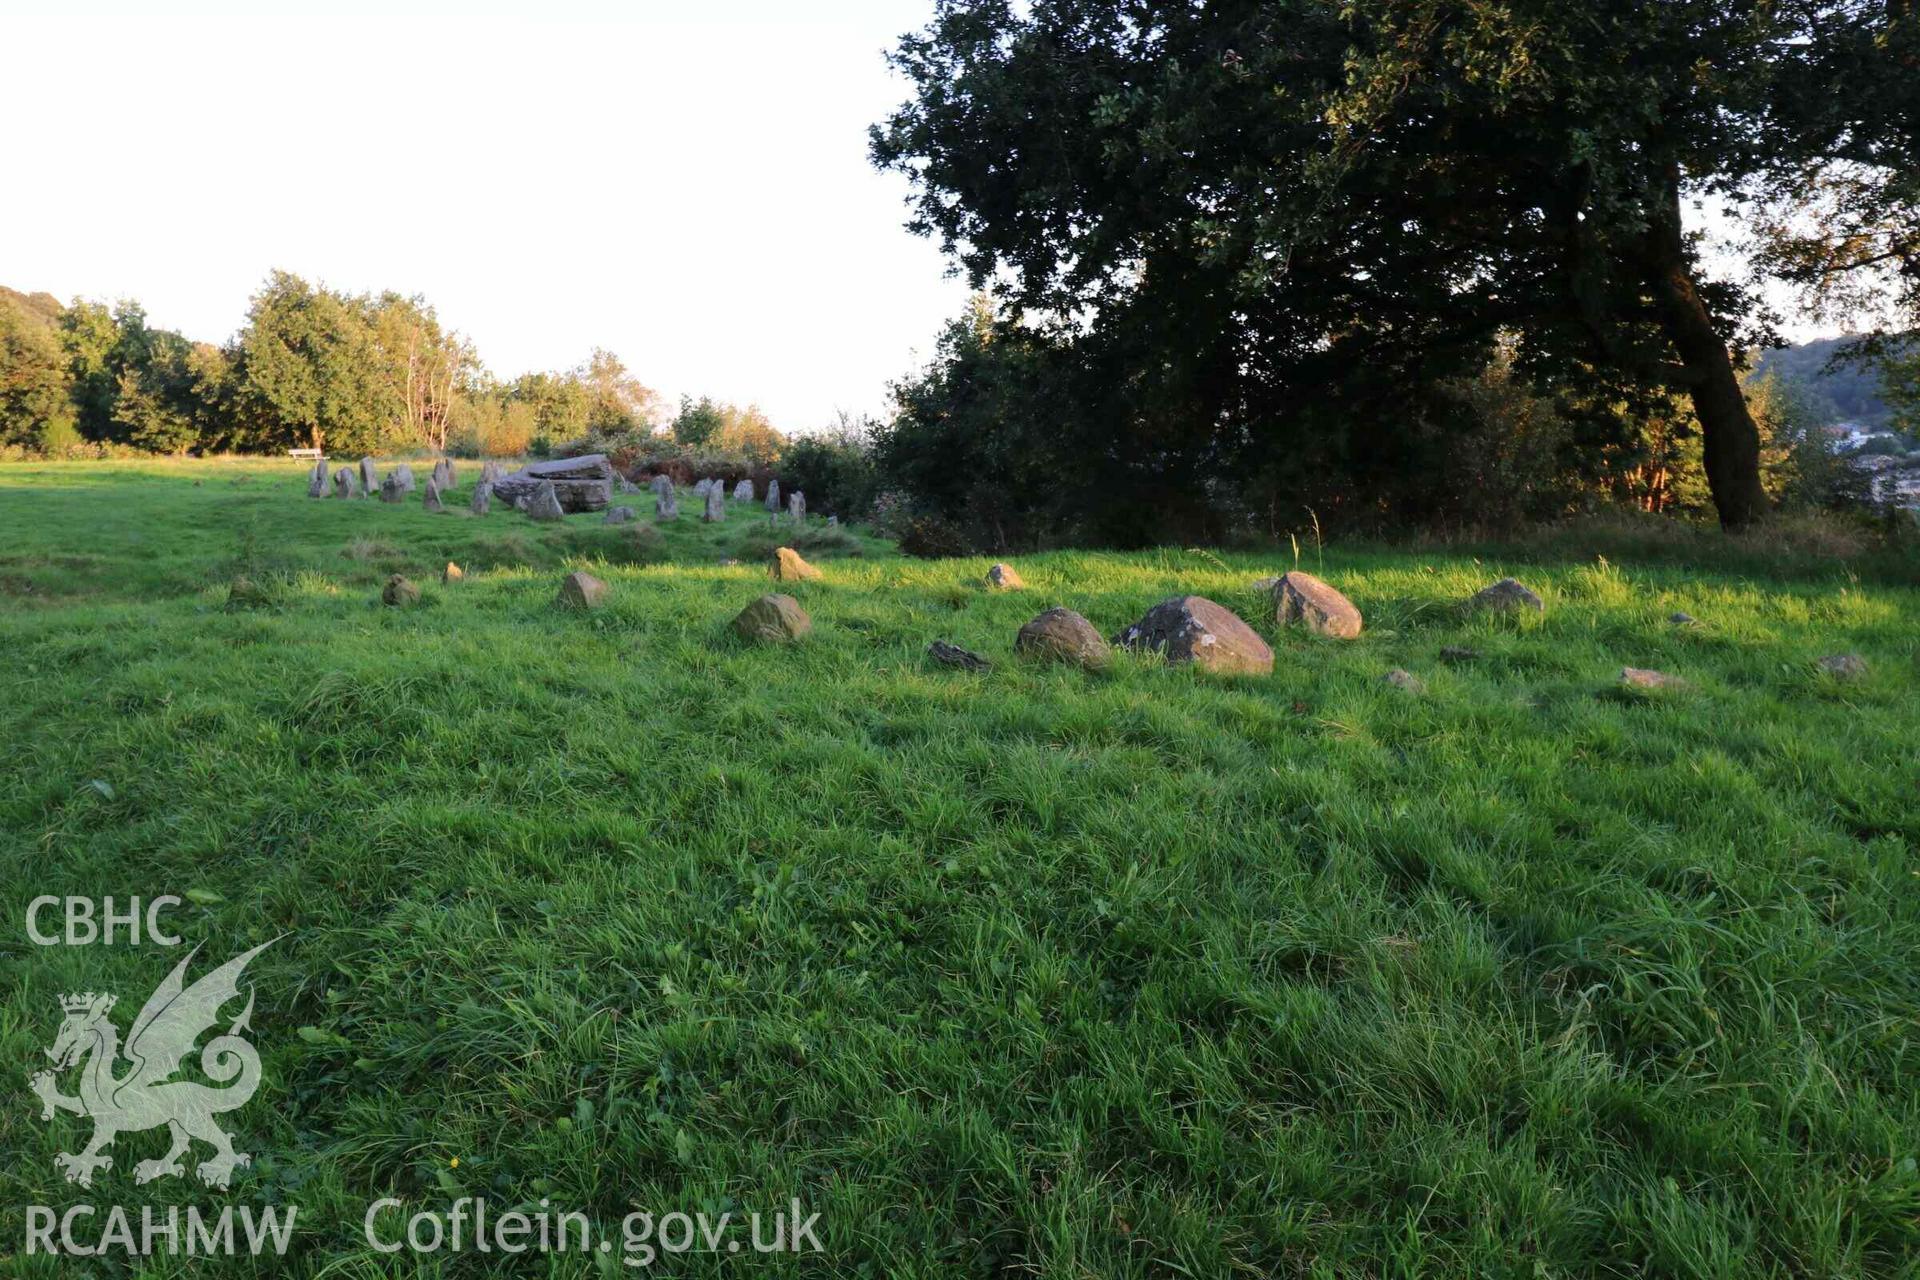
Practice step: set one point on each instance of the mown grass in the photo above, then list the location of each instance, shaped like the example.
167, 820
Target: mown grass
1034, 971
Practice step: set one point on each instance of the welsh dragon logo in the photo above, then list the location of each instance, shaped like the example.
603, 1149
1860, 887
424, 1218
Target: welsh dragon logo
145, 1097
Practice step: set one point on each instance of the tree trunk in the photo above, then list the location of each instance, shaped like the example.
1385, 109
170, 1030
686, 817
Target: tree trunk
1729, 439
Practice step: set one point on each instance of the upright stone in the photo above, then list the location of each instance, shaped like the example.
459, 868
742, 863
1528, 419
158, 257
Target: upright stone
344, 483
391, 489
703, 488
544, 505
399, 592
787, 566
405, 473
716, 511
1300, 598
666, 505
1195, 629
482, 498
452, 573
617, 515
773, 496
430, 498
317, 479
369, 475
797, 507
662, 486
451, 480
743, 492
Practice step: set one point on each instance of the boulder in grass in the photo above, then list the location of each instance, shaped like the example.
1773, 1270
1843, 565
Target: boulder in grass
1304, 600
399, 592
952, 655
787, 566
1646, 680
1843, 666
1683, 619
1504, 596
1405, 681
580, 484
618, 515
1002, 577
581, 591
452, 573
346, 483
1197, 630
544, 504
1061, 635
773, 619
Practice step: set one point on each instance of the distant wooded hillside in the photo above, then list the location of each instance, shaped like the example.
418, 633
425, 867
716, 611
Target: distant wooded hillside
1846, 393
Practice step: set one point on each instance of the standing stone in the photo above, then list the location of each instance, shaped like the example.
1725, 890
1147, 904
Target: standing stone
618, 515
317, 479
1197, 630
666, 505
452, 573
451, 481
773, 496
581, 591
430, 498
787, 566
399, 592
702, 488
344, 483
662, 485
1304, 599
1505, 596
1061, 635
797, 507
627, 486
391, 490
743, 492
482, 498
405, 473
544, 505
773, 619
1001, 577
716, 511
369, 475
833, 522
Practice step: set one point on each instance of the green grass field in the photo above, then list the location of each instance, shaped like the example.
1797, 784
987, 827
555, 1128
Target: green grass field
1029, 972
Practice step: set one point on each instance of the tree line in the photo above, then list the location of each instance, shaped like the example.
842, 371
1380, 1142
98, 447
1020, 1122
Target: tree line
315, 367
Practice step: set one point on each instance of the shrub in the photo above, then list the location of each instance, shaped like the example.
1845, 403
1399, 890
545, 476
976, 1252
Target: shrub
819, 540
931, 537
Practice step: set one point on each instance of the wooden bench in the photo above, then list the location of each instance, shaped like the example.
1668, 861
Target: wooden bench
311, 455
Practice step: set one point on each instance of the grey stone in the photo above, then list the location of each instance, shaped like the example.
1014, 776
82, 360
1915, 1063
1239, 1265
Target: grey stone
716, 509
405, 473
797, 506
1683, 620
369, 475
317, 479
666, 505
579, 484
773, 619
1843, 666
1302, 599
346, 483
662, 485
544, 504
1061, 635
391, 489
1197, 630
482, 498
581, 591
952, 655
431, 498
618, 515
1405, 681
703, 488
399, 592
743, 492
773, 496
833, 522
1505, 596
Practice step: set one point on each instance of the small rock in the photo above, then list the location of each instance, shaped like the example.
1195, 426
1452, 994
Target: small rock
1405, 681
452, 573
627, 486
1459, 653
399, 592
1843, 666
775, 618
1642, 678
728, 562
787, 566
1062, 635
1197, 630
544, 505
244, 593
1505, 596
1302, 598
952, 655
581, 591
1002, 577
1683, 619
617, 515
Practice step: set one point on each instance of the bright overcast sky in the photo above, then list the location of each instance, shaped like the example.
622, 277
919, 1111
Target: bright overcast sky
684, 183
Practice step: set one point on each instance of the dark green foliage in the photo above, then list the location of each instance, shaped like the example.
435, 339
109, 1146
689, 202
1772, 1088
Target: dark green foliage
835, 469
